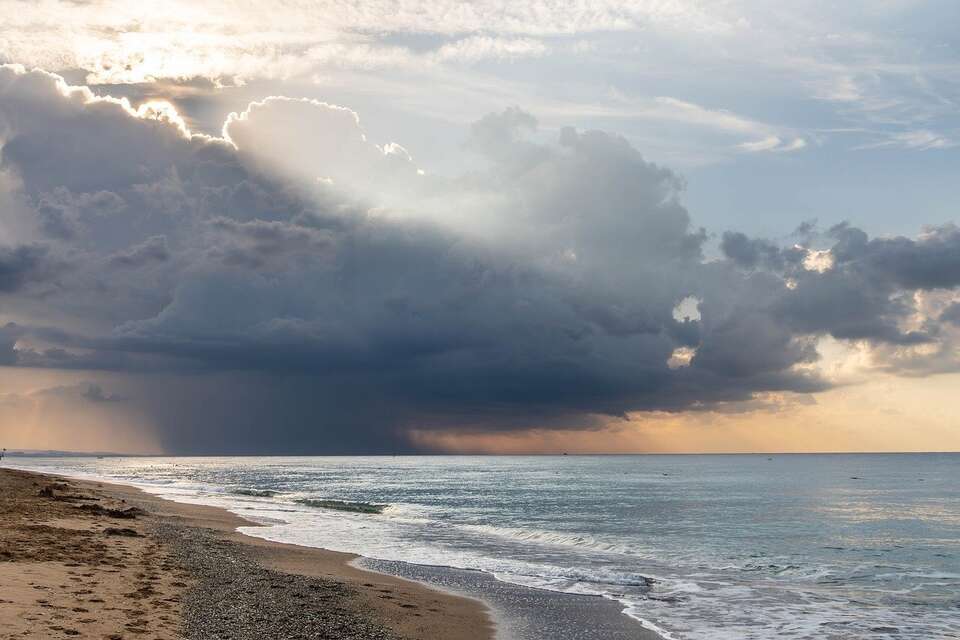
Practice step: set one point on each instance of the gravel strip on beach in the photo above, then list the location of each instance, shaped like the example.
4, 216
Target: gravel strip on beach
237, 599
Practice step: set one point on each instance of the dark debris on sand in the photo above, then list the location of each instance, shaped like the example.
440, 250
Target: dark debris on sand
235, 598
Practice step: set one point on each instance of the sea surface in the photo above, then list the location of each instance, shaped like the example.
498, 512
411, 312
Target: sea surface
695, 547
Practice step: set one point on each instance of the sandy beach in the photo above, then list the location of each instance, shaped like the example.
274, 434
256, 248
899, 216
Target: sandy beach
97, 560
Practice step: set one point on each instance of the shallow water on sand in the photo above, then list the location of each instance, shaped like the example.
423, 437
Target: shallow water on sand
698, 547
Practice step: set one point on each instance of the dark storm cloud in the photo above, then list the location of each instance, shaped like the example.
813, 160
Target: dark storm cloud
750, 253
930, 262
866, 291
91, 392
309, 290
23, 265
153, 249
9, 334
95, 393
257, 243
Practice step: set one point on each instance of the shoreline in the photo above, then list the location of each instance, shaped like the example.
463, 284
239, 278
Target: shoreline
145, 569
411, 601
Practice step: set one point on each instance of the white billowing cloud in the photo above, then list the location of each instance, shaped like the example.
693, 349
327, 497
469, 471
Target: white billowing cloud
327, 144
39, 80
687, 309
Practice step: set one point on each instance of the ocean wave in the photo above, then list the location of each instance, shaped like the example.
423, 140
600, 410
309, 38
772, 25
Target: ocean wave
553, 538
255, 493
343, 505
582, 580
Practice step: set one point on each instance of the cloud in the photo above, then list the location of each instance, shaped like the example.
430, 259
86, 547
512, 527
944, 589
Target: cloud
327, 145
871, 71
260, 243
8, 339
153, 249
477, 48
77, 415
95, 393
929, 262
951, 314
118, 42
918, 140
774, 143
23, 265
309, 289
83, 391
856, 288
750, 253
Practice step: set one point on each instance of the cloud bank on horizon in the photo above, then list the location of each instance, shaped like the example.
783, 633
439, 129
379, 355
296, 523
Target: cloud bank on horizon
293, 285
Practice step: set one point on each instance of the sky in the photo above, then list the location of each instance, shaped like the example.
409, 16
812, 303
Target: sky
429, 226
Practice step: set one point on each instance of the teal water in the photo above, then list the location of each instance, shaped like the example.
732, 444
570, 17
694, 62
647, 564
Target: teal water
698, 547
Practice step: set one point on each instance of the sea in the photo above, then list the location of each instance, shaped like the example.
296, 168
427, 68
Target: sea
694, 547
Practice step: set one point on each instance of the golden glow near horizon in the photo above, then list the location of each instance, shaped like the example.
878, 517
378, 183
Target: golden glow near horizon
887, 413
43, 410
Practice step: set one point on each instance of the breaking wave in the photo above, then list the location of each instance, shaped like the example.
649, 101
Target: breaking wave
342, 505
255, 493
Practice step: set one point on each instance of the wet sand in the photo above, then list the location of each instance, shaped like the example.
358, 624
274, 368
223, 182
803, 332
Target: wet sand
525, 613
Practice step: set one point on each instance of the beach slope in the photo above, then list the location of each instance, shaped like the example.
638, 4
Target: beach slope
95, 560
